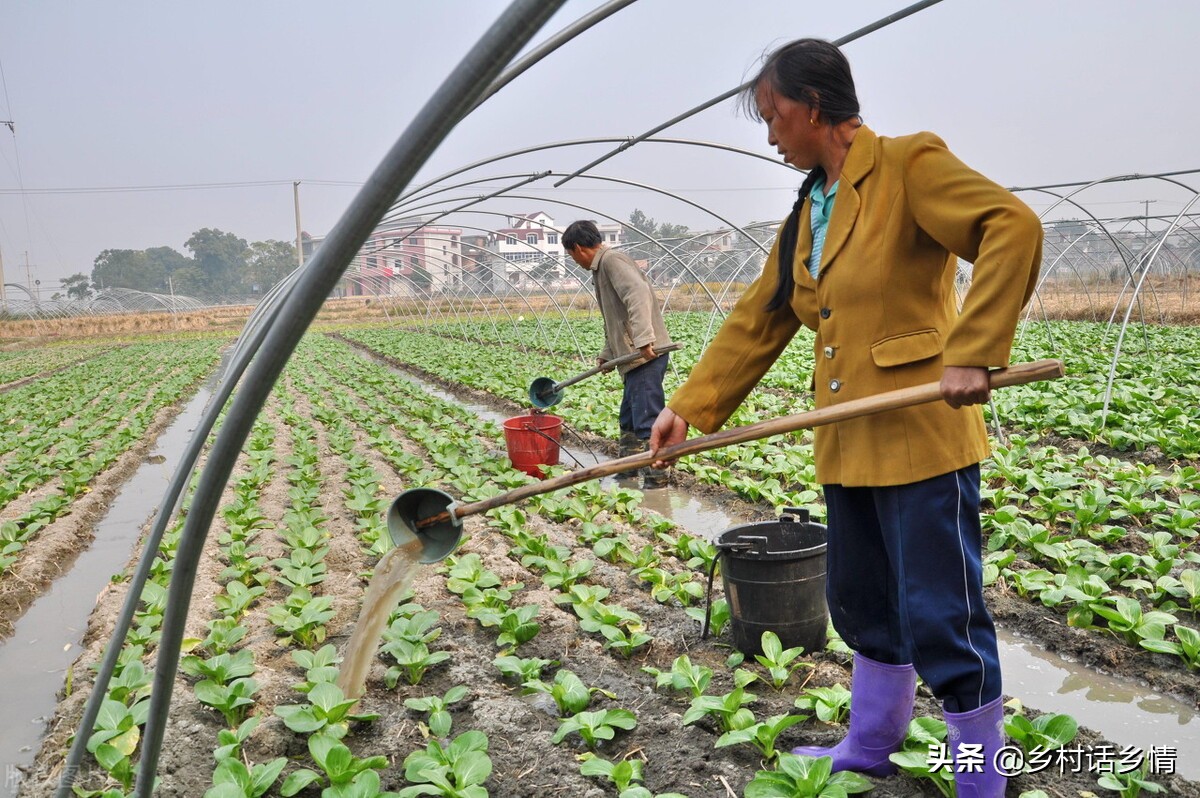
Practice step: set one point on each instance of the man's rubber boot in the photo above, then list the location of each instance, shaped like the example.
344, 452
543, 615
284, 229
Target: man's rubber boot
973, 739
654, 477
881, 706
628, 444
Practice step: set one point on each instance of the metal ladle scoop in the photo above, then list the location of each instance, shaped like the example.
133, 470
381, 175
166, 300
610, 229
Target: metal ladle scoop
545, 392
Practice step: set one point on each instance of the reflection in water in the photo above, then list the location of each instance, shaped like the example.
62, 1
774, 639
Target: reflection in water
1049, 683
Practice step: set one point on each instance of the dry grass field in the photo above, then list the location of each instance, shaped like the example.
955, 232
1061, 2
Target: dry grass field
1163, 301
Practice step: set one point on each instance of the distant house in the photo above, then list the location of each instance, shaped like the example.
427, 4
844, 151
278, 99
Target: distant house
407, 257
528, 248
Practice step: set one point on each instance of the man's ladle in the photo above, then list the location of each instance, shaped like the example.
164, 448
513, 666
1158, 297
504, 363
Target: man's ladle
545, 392
435, 519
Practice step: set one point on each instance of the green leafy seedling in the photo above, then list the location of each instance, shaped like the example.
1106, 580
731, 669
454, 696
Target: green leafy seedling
624, 641
569, 692
439, 715
729, 710
412, 659
683, 676
468, 571
562, 576
622, 774
327, 710
229, 741
220, 668
1131, 784
455, 771
1048, 732
805, 776
913, 757
116, 735
232, 700
832, 704
595, 726
779, 662
234, 779
522, 669
319, 666
517, 625
1187, 649
340, 769
761, 735
1126, 618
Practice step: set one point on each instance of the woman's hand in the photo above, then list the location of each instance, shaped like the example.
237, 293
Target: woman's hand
668, 430
964, 385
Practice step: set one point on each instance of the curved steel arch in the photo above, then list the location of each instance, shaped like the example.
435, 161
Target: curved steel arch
1112, 371
577, 142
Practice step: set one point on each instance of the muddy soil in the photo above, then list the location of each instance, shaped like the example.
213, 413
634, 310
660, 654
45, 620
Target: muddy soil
526, 765
1164, 673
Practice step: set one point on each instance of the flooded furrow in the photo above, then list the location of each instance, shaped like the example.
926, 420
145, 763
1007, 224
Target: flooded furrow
1121, 710
46, 639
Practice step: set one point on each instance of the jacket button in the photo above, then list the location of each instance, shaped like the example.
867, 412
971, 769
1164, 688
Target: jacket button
835, 385
825, 313
829, 352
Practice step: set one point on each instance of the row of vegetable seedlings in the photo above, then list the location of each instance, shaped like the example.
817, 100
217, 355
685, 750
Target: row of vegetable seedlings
223, 670
19, 364
489, 603
447, 455
62, 431
1051, 525
1048, 731
1150, 403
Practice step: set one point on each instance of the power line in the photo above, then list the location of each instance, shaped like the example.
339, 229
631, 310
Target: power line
124, 189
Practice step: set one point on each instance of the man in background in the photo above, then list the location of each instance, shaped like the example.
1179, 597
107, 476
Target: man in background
632, 322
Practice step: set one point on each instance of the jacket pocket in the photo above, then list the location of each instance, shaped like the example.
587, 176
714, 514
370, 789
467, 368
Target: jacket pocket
906, 348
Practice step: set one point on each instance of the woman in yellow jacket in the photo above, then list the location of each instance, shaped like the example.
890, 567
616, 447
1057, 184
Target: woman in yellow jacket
868, 259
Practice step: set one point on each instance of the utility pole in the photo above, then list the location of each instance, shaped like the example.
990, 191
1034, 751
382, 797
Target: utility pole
29, 276
299, 242
3, 297
1146, 215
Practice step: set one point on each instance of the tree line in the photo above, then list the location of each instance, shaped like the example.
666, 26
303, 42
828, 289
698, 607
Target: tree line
220, 265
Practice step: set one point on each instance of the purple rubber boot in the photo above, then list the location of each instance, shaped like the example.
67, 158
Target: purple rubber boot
973, 739
881, 706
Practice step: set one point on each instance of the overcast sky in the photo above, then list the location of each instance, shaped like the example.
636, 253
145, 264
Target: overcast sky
153, 95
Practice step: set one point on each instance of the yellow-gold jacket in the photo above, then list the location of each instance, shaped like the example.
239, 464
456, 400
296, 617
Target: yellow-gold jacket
885, 310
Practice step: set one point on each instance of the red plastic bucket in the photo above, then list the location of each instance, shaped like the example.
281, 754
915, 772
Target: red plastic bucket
532, 441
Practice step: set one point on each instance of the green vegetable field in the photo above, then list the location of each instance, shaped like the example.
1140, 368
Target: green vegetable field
558, 650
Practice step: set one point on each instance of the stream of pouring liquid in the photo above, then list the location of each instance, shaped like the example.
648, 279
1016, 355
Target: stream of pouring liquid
393, 574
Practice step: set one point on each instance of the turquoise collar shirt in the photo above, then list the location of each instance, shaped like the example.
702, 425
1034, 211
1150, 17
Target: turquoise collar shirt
822, 208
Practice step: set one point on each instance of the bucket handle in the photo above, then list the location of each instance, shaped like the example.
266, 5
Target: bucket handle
527, 427
744, 544
712, 569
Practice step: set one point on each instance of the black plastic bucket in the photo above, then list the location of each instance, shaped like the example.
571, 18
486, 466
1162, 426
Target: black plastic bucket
774, 578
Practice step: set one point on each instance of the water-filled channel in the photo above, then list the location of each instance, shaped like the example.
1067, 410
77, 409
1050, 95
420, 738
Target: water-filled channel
46, 639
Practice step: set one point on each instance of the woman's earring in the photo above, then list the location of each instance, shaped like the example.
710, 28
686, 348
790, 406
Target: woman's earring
812, 120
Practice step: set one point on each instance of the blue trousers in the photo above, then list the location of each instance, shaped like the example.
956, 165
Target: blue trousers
642, 399
905, 582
